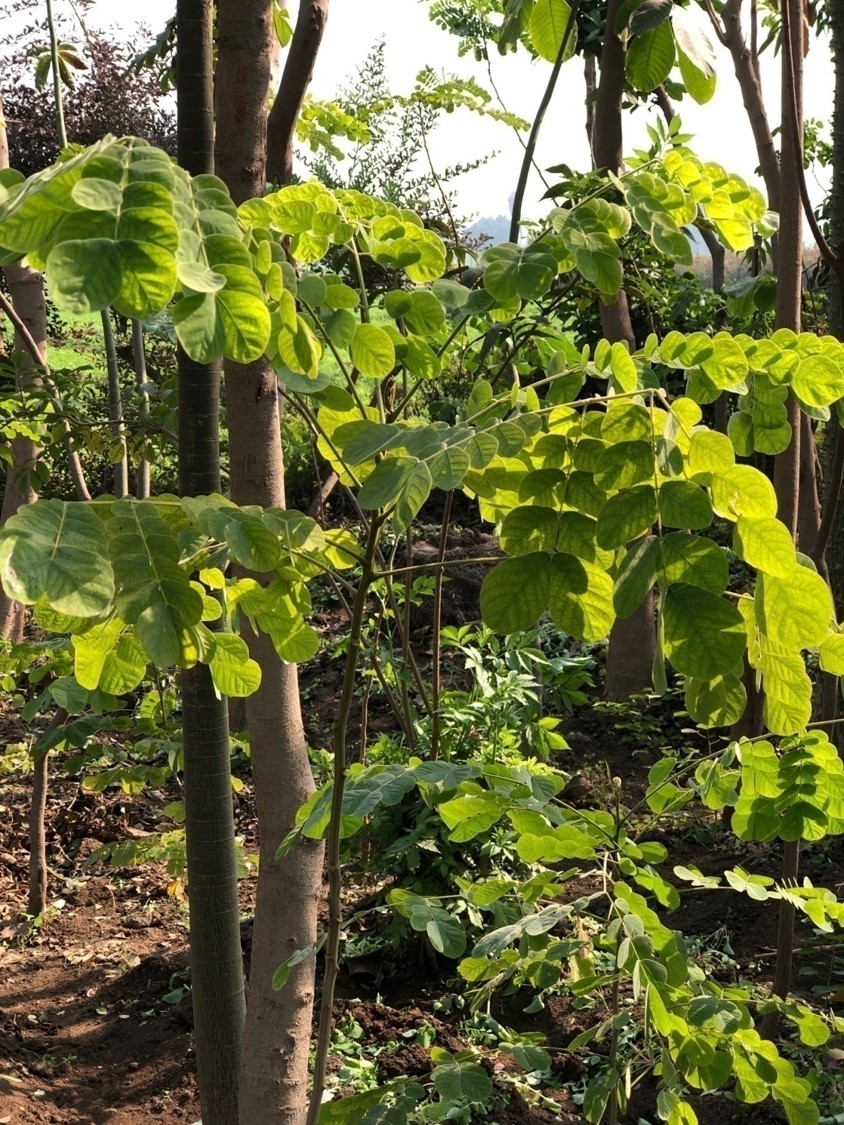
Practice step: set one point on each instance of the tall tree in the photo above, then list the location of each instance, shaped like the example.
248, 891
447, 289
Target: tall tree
216, 961
632, 646
274, 1067
788, 315
295, 80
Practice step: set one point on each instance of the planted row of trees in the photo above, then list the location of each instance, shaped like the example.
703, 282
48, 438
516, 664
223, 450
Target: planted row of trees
591, 458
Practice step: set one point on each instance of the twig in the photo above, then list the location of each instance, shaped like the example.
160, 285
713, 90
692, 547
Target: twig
74, 464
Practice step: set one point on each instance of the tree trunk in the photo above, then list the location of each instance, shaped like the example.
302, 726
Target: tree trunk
142, 470
731, 34
36, 902
216, 960
716, 253
274, 1068
787, 464
295, 80
115, 408
809, 504
590, 78
630, 655
26, 288
835, 13
27, 295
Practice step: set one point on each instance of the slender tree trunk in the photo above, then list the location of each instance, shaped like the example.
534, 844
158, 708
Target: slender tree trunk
142, 471
274, 1068
57, 78
27, 294
632, 644
716, 253
590, 77
745, 65
38, 869
115, 407
713, 245
27, 291
809, 503
277, 1039
216, 960
788, 315
295, 80
835, 15
36, 902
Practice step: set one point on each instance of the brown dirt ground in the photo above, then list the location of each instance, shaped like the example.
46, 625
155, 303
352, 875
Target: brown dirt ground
95, 1026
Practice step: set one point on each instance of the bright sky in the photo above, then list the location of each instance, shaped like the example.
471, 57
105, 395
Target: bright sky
721, 129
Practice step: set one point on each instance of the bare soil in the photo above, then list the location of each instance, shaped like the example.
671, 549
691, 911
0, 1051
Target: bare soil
95, 1018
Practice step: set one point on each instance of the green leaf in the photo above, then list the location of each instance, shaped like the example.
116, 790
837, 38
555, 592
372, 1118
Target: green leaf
148, 279
528, 530
153, 592
234, 673
766, 545
710, 452
626, 516
462, 1082
251, 543
471, 814
787, 704
624, 371
372, 351
716, 702
97, 195
384, 484
684, 504
650, 58
818, 380
109, 659
514, 594
695, 561
580, 598
57, 551
649, 14
705, 635
85, 276
831, 654
242, 314
699, 83
198, 277
636, 575
794, 611
513, 271
426, 315
743, 491
624, 464
549, 23
416, 489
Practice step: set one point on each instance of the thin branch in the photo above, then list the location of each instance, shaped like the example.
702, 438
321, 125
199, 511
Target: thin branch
75, 465
530, 147
827, 253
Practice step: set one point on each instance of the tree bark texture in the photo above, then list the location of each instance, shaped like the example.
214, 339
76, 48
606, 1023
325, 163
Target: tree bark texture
216, 959
787, 464
295, 79
632, 644
36, 902
278, 1026
731, 34
274, 1067
835, 16
26, 288
27, 293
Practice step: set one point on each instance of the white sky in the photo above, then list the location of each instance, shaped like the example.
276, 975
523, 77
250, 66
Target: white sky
721, 129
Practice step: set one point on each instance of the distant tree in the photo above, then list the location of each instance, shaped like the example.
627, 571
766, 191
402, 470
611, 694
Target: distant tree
108, 98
